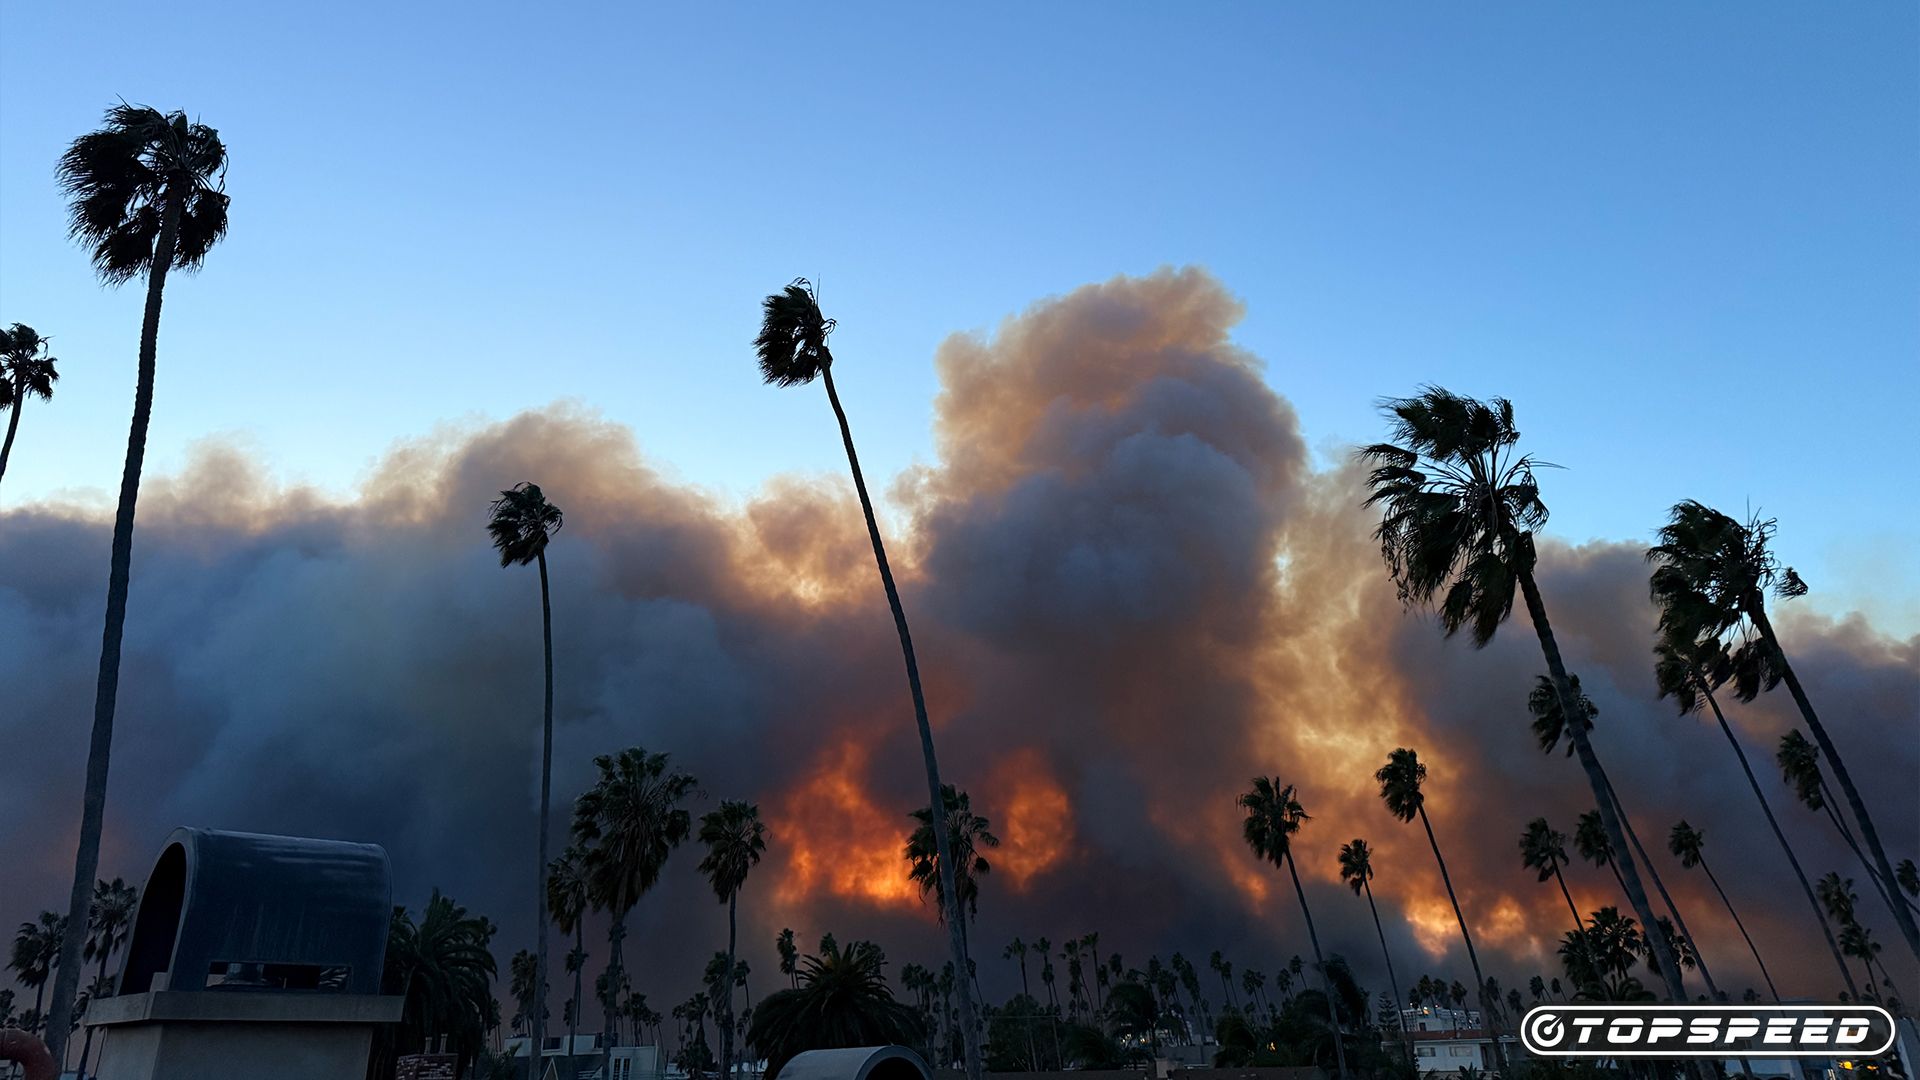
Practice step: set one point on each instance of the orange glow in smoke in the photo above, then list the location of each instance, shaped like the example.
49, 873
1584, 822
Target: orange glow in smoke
839, 840
1036, 825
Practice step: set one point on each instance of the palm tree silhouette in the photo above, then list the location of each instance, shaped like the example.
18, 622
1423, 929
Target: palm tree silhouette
842, 1001
26, 370
1274, 816
1687, 844
145, 197
35, 953
109, 921
1017, 950
1712, 575
626, 825
521, 522
1799, 760
1356, 869
444, 968
1681, 667
792, 349
735, 839
967, 834
567, 900
789, 956
1460, 509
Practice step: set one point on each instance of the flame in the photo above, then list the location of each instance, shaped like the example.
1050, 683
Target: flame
839, 841
1038, 828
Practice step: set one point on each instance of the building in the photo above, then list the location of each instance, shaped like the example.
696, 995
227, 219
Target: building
582, 1059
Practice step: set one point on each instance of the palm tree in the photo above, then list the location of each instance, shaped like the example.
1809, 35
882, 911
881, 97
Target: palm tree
1716, 573
1400, 782
1799, 760
36, 952
1017, 950
1044, 947
792, 349
520, 984
1543, 849
625, 826
789, 956
567, 901
26, 370
145, 197
1460, 512
1091, 942
735, 839
521, 521
1687, 844
1681, 671
967, 834
1591, 841
1356, 869
842, 1001
1274, 816
444, 968
109, 920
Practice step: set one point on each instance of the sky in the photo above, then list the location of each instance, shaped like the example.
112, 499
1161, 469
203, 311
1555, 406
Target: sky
1685, 239
481, 244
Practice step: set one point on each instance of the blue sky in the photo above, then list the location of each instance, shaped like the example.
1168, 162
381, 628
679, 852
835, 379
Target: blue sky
1685, 238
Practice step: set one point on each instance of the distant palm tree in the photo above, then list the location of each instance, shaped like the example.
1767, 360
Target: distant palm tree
1591, 841
444, 968
567, 900
842, 1001
1460, 512
1274, 817
967, 834
1401, 779
521, 522
1356, 869
1687, 844
1543, 849
735, 839
1799, 760
626, 825
792, 349
520, 986
26, 370
145, 197
35, 953
1017, 950
109, 920
1715, 573
1908, 875
1044, 947
1091, 942
1681, 670
789, 956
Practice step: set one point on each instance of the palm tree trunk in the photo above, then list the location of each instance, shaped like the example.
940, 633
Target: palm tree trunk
1393, 981
1751, 947
538, 1024
937, 818
1326, 983
616, 966
1586, 946
1679, 922
1868, 834
1473, 957
1889, 894
1774, 823
579, 969
93, 812
1597, 779
726, 988
13, 422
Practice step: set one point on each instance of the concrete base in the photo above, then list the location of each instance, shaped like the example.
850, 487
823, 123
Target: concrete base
188, 1035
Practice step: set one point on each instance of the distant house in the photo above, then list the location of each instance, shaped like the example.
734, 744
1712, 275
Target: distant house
582, 1059
1445, 1053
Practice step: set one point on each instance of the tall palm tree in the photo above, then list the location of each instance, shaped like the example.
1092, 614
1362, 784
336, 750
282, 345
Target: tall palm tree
26, 370
967, 834
1356, 869
792, 349
735, 839
1543, 849
521, 522
789, 956
1683, 670
626, 825
1091, 942
1718, 571
520, 986
35, 953
1274, 817
1017, 950
1799, 760
1460, 509
1688, 845
145, 198
1401, 779
1591, 841
842, 1001
1044, 947
567, 901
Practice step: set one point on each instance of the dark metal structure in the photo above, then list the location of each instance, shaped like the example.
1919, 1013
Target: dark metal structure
244, 911
858, 1063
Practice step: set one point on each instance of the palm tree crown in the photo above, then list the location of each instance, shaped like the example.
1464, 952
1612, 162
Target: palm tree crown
26, 368
1274, 815
1549, 720
1400, 779
124, 180
735, 838
628, 823
1591, 841
1686, 842
1356, 864
842, 1000
521, 521
792, 343
967, 834
1542, 848
1459, 506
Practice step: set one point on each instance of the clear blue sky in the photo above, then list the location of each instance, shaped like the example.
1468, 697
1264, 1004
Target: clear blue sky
1685, 238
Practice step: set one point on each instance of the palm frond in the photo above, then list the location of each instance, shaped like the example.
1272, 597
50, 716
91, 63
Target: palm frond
792, 343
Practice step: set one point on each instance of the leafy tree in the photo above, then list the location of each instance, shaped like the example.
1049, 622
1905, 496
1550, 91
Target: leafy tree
521, 522
145, 196
792, 350
1274, 817
625, 826
1712, 576
735, 838
842, 1001
1460, 508
26, 370
443, 966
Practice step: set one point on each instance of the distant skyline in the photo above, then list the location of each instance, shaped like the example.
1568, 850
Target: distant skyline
1685, 241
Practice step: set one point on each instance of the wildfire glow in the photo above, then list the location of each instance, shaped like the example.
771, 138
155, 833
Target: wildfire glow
1036, 824
839, 840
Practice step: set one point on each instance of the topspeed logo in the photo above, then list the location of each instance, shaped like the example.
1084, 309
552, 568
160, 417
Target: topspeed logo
1846, 1031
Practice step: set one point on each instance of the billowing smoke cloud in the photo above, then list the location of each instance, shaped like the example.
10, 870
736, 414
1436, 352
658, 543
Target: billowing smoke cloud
1130, 591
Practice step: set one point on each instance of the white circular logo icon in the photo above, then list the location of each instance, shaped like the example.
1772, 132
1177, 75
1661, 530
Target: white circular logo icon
1545, 1030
